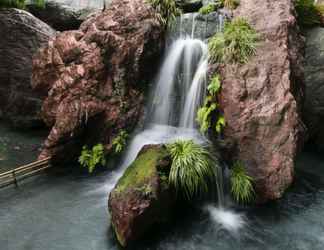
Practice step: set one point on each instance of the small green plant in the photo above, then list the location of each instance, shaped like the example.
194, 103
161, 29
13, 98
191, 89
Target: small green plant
20, 4
204, 116
167, 10
92, 158
119, 142
236, 43
241, 184
207, 9
230, 4
308, 14
214, 85
192, 171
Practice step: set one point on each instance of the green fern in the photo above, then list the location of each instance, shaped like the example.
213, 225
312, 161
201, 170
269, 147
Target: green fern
192, 171
214, 85
220, 124
241, 184
167, 10
236, 44
119, 142
92, 158
207, 9
204, 117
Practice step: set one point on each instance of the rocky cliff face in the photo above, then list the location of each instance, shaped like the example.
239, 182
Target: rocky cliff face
95, 76
262, 99
21, 35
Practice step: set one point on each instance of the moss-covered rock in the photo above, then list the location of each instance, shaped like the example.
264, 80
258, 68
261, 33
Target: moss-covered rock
142, 197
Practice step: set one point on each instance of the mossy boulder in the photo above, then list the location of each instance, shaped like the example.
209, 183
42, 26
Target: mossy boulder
142, 197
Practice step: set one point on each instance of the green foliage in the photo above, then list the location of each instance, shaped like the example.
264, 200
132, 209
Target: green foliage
214, 85
192, 171
92, 158
119, 142
230, 4
204, 117
20, 4
205, 10
167, 9
241, 184
220, 124
236, 43
308, 13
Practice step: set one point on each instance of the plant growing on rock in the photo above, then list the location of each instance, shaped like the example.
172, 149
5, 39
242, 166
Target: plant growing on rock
167, 10
308, 13
192, 171
20, 4
237, 43
119, 142
207, 9
241, 184
230, 4
90, 159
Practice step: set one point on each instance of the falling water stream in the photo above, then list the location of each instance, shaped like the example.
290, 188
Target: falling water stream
69, 210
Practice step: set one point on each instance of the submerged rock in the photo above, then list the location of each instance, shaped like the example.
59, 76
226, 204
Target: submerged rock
314, 79
22, 35
60, 16
262, 99
142, 198
95, 77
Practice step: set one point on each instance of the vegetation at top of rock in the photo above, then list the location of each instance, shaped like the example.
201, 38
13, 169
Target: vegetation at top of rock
90, 159
241, 184
167, 9
230, 4
236, 44
139, 173
207, 9
210, 108
308, 13
192, 171
20, 4
119, 142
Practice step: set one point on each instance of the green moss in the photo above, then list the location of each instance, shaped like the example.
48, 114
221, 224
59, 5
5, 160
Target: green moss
141, 171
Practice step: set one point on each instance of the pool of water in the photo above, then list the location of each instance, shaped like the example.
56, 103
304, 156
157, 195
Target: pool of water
18, 147
68, 211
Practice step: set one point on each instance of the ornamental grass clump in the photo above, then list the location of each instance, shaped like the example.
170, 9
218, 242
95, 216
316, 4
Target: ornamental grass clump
193, 172
236, 44
167, 10
241, 184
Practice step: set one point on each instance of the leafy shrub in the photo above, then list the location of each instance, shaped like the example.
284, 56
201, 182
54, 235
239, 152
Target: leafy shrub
236, 43
241, 184
205, 10
20, 4
167, 9
92, 158
192, 171
119, 142
204, 116
308, 14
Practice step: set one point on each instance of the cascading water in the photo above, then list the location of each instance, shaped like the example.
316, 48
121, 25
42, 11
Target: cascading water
180, 90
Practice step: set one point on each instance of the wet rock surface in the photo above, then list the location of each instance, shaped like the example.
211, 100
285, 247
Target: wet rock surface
21, 36
142, 198
262, 99
95, 77
314, 80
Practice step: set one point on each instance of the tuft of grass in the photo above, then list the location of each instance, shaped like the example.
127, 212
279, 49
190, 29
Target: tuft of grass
308, 14
230, 4
20, 4
192, 171
241, 184
167, 10
237, 43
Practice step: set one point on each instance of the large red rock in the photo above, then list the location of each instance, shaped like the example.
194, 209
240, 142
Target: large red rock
262, 99
95, 76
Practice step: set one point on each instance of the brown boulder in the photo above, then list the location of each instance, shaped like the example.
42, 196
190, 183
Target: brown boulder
262, 99
21, 35
142, 197
95, 76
